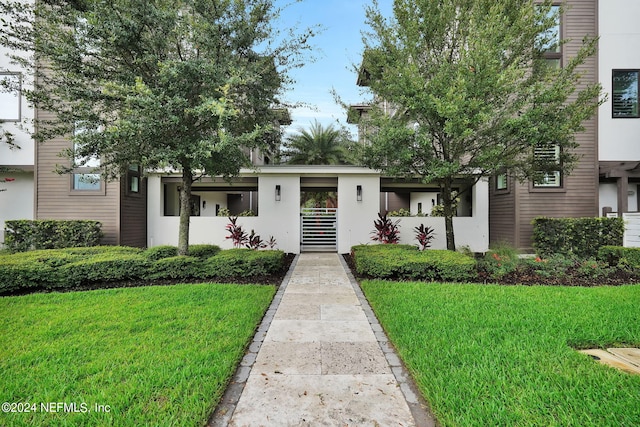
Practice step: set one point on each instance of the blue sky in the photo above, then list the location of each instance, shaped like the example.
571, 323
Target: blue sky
337, 48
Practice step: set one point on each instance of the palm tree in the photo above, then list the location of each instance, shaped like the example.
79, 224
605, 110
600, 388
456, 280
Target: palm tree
318, 146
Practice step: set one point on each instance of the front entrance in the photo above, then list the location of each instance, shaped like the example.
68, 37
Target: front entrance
318, 214
319, 229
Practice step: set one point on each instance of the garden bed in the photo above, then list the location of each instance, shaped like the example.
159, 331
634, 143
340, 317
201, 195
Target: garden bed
505, 267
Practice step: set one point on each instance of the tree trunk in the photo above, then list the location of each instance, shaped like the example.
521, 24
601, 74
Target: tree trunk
185, 211
448, 205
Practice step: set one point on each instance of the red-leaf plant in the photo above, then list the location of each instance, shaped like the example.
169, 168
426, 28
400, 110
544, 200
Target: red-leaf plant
387, 231
424, 236
237, 234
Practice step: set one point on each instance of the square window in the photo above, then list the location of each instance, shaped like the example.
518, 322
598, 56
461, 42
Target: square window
625, 94
87, 182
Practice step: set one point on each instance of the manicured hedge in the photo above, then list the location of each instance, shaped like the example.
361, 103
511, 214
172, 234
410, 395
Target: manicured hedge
107, 267
25, 235
73, 267
177, 267
407, 262
620, 256
582, 237
203, 251
243, 263
156, 253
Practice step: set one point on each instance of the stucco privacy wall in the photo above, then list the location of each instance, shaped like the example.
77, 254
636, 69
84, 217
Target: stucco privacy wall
355, 218
281, 219
470, 231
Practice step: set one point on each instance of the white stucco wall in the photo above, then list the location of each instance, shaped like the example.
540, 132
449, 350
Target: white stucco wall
428, 200
355, 218
281, 219
619, 48
17, 201
469, 231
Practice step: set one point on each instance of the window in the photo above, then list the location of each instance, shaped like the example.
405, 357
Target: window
87, 182
133, 179
550, 42
10, 94
548, 156
85, 175
625, 94
501, 181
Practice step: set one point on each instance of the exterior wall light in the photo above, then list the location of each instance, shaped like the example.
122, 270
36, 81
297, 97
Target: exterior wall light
278, 193
359, 193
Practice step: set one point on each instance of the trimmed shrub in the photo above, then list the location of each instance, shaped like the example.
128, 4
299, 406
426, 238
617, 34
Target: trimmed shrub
25, 235
159, 252
582, 237
73, 267
25, 274
106, 267
177, 267
243, 263
96, 250
620, 256
203, 251
407, 262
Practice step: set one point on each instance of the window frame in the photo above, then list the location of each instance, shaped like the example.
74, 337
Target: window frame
559, 184
497, 179
84, 167
134, 174
550, 55
613, 104
18, 75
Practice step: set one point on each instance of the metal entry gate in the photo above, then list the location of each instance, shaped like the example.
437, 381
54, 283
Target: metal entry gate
319, 229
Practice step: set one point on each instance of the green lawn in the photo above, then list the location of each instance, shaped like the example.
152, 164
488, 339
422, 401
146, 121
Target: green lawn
486, 355
156, 356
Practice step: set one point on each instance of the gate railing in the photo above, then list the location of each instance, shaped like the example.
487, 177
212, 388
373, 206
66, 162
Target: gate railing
319, 229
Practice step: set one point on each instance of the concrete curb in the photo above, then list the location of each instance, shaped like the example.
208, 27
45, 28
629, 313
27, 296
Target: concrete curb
224, 411
417, 405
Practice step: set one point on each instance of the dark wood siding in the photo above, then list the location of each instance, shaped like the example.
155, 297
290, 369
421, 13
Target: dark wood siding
502, 213
578, 195
133, 216
54, 198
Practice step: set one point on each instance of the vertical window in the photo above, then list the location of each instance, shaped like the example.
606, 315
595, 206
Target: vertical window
85, 175
550, 42
547, 157
625, 94
501, 181
133, 178
10, 94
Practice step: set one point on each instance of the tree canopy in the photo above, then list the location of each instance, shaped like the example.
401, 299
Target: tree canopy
473, 93
189, 85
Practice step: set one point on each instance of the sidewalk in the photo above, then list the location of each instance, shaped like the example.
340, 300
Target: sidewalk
322, 359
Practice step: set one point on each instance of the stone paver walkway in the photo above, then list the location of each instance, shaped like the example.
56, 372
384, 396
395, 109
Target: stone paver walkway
322, 359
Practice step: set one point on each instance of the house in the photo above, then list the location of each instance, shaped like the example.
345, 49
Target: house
141, 209
606, 177
619, 119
